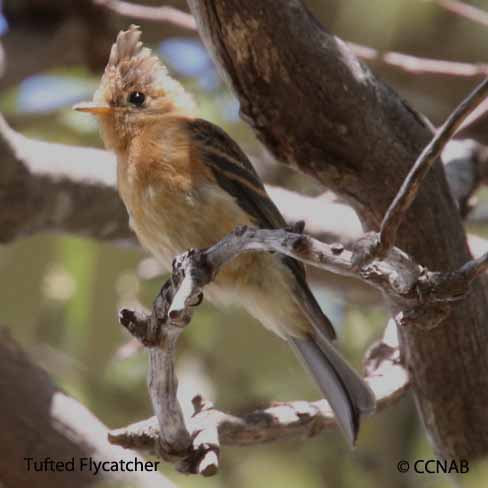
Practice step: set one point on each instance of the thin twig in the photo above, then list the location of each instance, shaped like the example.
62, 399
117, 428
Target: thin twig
475, 14
417, 65
472, 269
150, 14
411, 185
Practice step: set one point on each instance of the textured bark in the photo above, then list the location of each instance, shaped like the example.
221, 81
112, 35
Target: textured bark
318, 109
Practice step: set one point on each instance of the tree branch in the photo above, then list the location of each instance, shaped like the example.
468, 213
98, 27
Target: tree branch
197, 450
395, 214
197, 453
462, 9
417, 65
283, 420
149, 14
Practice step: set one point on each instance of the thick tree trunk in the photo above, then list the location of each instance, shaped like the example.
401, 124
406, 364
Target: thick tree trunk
318, 109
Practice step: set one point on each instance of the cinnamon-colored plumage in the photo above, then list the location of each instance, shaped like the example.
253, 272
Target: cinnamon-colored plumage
186, 184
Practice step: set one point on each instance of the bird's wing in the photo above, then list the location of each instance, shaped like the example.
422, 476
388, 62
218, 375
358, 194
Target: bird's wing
236, 175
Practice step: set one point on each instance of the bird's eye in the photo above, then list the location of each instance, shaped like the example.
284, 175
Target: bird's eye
137, 98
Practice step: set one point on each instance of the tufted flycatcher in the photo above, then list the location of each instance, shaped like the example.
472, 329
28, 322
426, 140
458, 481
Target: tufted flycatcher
186, 184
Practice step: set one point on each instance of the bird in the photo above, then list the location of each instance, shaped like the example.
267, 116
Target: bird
187, 184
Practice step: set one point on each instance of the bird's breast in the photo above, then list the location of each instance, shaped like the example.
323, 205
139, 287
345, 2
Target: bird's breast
171, 213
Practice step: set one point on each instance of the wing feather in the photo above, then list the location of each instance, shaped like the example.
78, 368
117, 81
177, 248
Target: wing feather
236, 175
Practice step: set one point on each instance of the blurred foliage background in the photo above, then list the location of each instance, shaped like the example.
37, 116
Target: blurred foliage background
63, 292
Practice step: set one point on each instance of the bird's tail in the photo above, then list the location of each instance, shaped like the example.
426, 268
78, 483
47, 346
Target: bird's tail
347, 393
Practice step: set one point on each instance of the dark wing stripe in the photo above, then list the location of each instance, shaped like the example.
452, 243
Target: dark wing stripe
221, 162
236, 175
244, 187
215, 139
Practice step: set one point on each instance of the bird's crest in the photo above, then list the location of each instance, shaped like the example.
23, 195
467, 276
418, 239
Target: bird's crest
132, 67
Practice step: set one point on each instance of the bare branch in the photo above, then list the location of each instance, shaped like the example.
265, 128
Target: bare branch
410, 187
150, 14
417, 65
395, 276
462, 9
426, 298
198, 453
420, 294
299, 419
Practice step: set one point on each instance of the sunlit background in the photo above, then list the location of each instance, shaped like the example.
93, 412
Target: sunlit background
63, 292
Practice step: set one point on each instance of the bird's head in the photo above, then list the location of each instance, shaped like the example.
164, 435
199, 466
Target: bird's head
134, 90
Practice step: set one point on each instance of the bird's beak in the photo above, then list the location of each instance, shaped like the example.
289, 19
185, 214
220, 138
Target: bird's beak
93, 108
